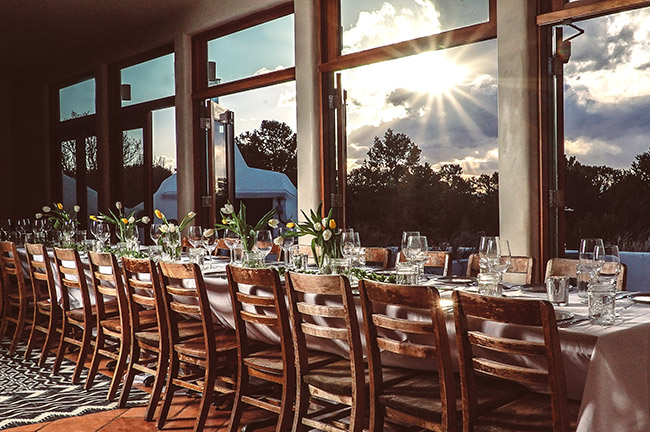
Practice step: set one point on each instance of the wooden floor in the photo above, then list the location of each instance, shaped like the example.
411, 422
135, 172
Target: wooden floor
182, 417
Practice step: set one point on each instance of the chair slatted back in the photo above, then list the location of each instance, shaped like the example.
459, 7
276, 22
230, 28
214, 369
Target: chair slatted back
263, 305
108, 287
184, 296
40, 271
377, 256
72, 278
520, 270
142, 287
328, 321
11, 268
568, 267
435, 259
427, 339
474, 346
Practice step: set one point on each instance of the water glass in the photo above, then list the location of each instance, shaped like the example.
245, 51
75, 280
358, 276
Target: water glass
406, 274
489, 284
583, 277
299, 261
80, 237
557, 289
602, 303
340, 266
361, 257
197, 255
155, 253
89, 245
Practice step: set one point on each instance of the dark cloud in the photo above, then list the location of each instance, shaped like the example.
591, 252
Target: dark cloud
596, 50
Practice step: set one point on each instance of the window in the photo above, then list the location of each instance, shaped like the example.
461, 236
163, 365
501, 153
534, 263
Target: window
149, 80
77, 100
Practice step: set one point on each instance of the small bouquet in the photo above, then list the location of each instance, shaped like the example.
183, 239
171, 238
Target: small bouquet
323, 229
61, 219
126, 225
171, 234
237, 223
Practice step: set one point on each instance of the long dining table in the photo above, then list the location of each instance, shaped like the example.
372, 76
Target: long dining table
606, 367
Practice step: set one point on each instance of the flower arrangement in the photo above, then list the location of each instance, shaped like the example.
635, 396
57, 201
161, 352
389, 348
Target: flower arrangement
236, 221
171, 234
125, 224
62, 220
325, 235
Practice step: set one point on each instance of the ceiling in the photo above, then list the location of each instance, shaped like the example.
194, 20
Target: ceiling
41, 30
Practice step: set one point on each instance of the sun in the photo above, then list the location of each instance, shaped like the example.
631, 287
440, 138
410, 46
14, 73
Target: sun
433, 73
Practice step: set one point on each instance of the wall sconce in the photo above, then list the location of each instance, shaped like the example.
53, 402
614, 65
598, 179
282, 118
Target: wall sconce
212, 73
125, 92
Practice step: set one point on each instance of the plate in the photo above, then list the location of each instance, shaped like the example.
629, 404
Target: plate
456, 279
640, 298
563, 316
534, 288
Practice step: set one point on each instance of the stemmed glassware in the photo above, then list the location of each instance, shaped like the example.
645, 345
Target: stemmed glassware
356, 250
102, 234
195, 236
488, 252
154, 232
264, 243
210, 239
499, 257
231, 239
587, 255
416, 251
608, 263
287, 242
405, 238
348, 245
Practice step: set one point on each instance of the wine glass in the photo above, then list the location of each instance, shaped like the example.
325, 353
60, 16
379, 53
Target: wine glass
195, 236
155, 233
210, 239
608, 262
103, 234
500, 264
405, 237
357, 247
264, 243
488, 252
587, 252
287, 242
347, 245
230, 238
417, 249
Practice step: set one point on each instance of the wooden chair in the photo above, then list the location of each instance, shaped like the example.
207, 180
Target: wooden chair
47, 305
78, 323
149, 329
341, 383
435, 260
258, 300
16, 296
208, 359
377, 257
113, 338
568, 266
520, 270
534, 411
425, 399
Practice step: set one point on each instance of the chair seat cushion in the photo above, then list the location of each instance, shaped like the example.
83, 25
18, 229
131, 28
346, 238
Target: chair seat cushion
14, 297
78, 314
186, 330
44, 305
147, 319
270, 359
529, 413
336, 377
225, 339
420, 395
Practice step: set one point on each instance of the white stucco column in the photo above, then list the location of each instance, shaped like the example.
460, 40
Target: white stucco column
184, 135
307, 99
518, 127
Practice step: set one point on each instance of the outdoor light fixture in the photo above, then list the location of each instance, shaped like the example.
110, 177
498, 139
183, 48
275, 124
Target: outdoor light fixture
125, 92
212, 73
564, 47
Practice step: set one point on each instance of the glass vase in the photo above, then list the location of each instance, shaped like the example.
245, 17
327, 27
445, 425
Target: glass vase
172, 246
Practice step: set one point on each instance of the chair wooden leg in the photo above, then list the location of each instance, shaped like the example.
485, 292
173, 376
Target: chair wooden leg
238, 405
169, 391
62, 347
83, 352
206, 400
32, 333
119, 371
161, 372
302, 405
94, 365
49, 338
130, 375
285, 417
20, 326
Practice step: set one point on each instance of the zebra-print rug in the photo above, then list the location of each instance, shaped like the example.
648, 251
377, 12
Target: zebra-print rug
29, 394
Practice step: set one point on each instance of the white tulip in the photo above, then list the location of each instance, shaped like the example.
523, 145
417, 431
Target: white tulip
38, 215
163, 229
324, 222
273, 223
131, 220
278, 241
327, 234
228, 209
191, 214
208, 233
172, 228
146, 219
46, 209
118, 205
318, 226
76, 209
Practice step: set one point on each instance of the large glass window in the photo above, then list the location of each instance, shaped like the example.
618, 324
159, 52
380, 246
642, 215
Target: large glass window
422, 148
77, 100
372, 23
164, 162
150, 80
256, 50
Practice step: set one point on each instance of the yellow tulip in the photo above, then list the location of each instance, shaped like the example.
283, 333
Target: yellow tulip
224, 221
59, 206
332, 223
125, 221
158, 214
291, 225
92, 217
